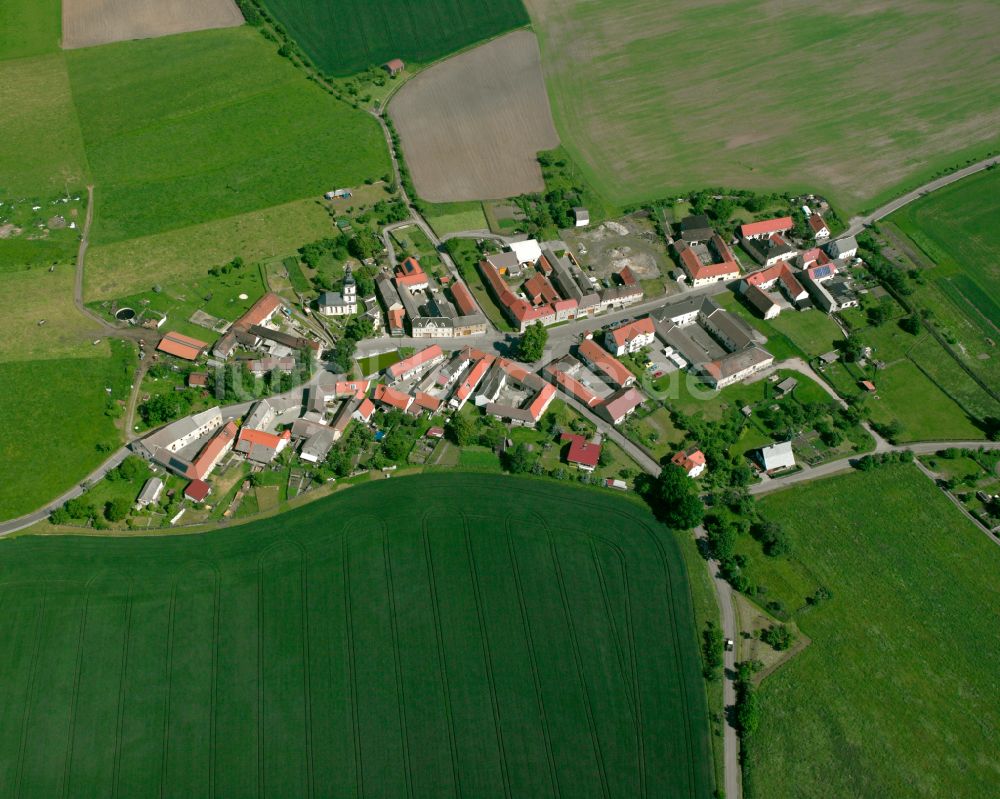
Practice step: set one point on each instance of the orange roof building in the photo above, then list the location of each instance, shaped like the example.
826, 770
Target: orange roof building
692, 461
213, 452
598, 358
762, 230
181, 346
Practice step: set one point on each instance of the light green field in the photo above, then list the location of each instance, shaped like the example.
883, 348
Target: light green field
356, 647
851, 101
895, 694
127, 267
29, 27
448, 218
42, 152
187, 129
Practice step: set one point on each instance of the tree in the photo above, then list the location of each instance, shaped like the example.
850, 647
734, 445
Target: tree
462, 430
359, 328
712, 645
520, 459
878, 314
911, 324
162, 408
853, 348
674, 498
747, 709
132, 468
397, 445
778, 637
364, 245
115, 510
772, 537
531, 346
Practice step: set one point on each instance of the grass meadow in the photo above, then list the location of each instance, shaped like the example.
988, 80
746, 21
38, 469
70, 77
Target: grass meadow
853, 102
188, 129
177, 256
894, 696
437, 648
352, 35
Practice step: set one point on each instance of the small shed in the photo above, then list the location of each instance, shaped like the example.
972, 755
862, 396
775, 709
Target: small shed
395, 66
582, 217
786, 385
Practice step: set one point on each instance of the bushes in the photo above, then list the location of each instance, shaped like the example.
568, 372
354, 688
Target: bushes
712, 646
778, 637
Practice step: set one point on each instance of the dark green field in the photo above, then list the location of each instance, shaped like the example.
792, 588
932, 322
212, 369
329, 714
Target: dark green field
390, 641
347, 36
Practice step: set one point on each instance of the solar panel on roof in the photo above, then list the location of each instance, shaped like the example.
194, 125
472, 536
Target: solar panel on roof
822, 271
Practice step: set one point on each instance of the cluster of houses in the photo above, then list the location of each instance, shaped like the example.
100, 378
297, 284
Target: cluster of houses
535, 284
411, 297
258, 330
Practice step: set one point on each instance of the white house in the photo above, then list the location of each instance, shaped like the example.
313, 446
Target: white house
819, 227
777, 456
846, 247
582, 217
345, 303
631, 337
150, 493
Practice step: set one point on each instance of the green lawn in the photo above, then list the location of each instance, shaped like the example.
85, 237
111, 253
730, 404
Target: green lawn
895, 695
352, 35
186, 129
448, 218
400, 638
54, 418
43, 152
628, 81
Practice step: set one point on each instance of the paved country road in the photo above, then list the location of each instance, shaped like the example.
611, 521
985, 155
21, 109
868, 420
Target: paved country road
859, 223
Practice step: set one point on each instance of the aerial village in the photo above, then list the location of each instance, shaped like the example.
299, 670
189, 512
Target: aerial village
609, 352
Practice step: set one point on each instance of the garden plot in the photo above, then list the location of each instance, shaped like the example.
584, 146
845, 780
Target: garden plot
472, 125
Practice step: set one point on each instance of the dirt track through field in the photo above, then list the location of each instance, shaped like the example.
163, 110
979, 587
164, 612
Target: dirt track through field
472, 125
91, 22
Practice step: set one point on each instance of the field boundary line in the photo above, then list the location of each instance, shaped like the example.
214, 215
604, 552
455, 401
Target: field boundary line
629, 668
396, 658
166, 692
442, 661
349, 626
577, 659
307, 674
30, 690
526, 626
122, 689
487, 654
213, 701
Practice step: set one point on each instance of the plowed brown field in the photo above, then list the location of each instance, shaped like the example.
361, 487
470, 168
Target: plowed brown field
471, 125
90, 22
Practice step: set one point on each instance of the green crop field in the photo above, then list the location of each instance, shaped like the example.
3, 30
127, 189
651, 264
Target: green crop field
895, 694
348, 36
187, 129
29, 27
437, 648
854, 102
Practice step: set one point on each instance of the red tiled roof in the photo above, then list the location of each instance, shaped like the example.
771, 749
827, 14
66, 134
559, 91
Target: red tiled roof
210, 453
540, 290
767, 226
521, 310
781, 272
197, 379
366, 409
197, 490
699, 271
627, 278
392, 397
395, 64
599, 357
542, 401
426, 401
625, 333
435, 432
463, 298
581, 451
415, 360
261, 438
473, 379
181, 346
516, 372
396, 317
575, 388
689, 459
351, 388
817, 224
260, 310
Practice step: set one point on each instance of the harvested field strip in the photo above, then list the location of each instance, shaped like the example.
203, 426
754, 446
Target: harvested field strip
350, 35
86, 23
330, 650
472, 125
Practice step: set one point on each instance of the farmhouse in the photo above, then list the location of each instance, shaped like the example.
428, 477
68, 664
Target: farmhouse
707, 263
564, 372
598, 358
150, 493
210, 455
691, 460
279, 339
260, 367
830, 291
364, 412
163, 446
181, 346
630, 337
531, 410
696, 228
582, 454
777, 456
469, 383
620, 405
463, 299
261, 447
757, 285
506, 263
736, 366
416, 364
528, 251
343, 303
818, 227
410, 275
766, 228
770, 250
